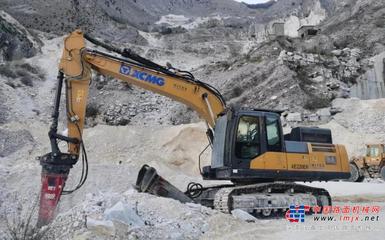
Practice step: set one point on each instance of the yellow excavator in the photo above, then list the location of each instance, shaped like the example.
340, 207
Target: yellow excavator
249, 148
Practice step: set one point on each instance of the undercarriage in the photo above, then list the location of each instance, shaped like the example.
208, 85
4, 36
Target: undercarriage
260, 199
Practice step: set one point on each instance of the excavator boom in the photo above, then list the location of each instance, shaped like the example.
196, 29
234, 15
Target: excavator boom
75, 72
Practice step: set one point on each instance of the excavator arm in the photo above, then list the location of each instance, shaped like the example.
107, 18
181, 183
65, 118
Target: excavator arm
77, 62
75, 72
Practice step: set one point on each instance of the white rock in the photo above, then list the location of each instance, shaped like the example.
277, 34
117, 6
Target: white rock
324, 113
333, 85
205, 227
294, 117
242, 215
336, 62
310, 58
123, 213
282, 54
337, 52
346, 50
273, 97
297, 57
193, 205
76, 224
355, 52
313, 118
335, 110
102, 227
318, 79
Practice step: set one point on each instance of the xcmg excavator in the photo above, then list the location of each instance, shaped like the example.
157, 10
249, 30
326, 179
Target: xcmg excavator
249, 148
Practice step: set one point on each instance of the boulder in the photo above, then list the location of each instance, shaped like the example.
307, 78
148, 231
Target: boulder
297, 57
318, 79
333, 85
355, 52
310, 58
335, 110
313, 118
337, 52
324, 113
294, 117
123, 213
243, 215
101, 226
346, 51
15, 40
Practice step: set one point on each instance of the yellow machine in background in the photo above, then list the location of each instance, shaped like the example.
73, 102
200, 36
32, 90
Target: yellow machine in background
372, 165
248, 145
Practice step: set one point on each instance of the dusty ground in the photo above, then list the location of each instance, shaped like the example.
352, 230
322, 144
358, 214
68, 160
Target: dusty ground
117, 153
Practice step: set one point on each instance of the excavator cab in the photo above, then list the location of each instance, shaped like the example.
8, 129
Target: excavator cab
249, 147
241, 136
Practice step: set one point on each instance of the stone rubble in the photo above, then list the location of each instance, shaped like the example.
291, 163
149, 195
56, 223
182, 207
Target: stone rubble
242, 215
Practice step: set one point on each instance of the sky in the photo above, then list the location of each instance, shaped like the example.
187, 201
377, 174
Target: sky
252, 1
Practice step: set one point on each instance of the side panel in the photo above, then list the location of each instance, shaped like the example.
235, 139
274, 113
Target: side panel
270, 160
344, 158
332, 159
298, 161
326, 157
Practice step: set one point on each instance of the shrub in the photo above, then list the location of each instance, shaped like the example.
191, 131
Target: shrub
380, 22
236, 92
11, 84
22, 73
92, 110
316, 102
29, 68
27, 81
21, 222
7, 72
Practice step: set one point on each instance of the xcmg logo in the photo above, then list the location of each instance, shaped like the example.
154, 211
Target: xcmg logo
126, 70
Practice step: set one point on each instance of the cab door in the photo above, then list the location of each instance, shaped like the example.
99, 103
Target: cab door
258, 142
274, 157
247, 140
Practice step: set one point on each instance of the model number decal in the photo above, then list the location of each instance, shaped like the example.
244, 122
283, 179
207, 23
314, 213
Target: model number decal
143, 76
299, 166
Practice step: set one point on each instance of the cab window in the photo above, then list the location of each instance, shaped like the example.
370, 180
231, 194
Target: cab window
373, 152
247, 144
273, 135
